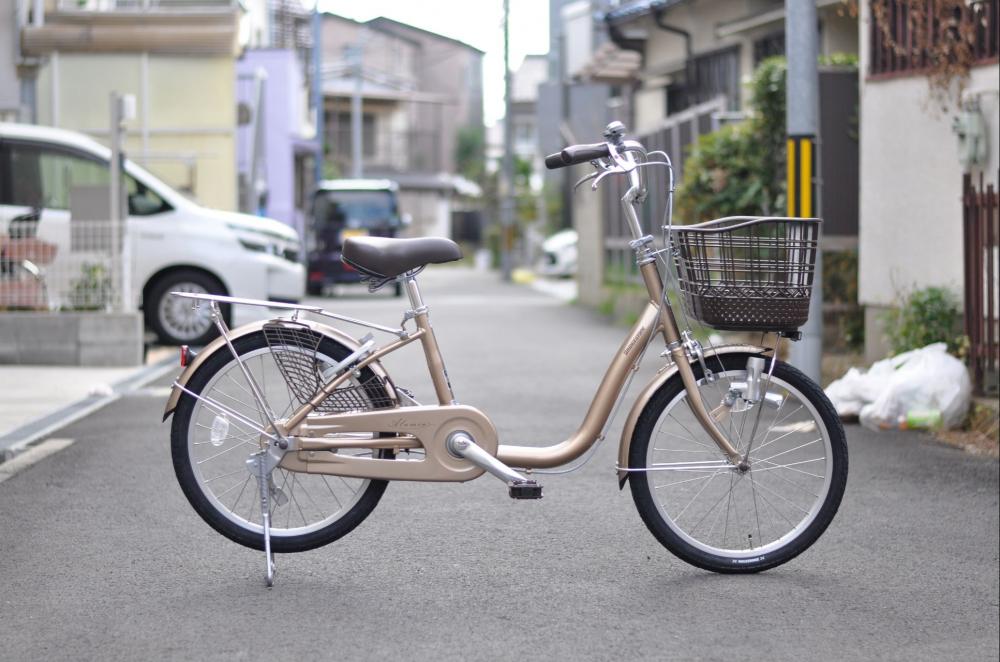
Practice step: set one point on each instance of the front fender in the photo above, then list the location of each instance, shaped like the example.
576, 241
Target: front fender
658, 382
219, 344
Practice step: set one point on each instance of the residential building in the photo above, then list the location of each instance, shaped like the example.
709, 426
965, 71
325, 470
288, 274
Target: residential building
276, 138
911, 205
676, 69
179, 61
696, 50
418, 91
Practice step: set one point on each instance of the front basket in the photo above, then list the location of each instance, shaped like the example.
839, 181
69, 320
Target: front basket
748, 273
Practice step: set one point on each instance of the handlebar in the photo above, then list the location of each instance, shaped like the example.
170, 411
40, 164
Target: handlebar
576, 154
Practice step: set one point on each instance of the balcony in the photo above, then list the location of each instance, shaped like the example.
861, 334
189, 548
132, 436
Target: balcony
169, 27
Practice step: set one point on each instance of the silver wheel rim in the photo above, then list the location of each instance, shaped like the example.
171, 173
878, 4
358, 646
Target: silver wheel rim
741, 516
313, 501
179, 317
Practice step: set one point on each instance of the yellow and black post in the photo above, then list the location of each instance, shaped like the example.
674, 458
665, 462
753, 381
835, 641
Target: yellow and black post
804, 187
801, 182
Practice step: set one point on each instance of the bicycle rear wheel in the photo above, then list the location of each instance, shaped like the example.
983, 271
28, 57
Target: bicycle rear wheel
210, 450
717, 517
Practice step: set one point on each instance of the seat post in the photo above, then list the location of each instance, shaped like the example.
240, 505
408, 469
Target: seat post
432, 353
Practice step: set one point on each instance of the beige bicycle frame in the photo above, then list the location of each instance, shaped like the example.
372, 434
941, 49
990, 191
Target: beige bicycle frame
427, 427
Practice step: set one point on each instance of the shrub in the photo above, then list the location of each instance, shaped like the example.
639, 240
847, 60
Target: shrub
926, 316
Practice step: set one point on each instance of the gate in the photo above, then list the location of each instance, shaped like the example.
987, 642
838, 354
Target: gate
981, 225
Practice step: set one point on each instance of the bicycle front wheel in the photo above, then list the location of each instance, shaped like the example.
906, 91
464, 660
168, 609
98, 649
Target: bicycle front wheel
712, 514
210, 450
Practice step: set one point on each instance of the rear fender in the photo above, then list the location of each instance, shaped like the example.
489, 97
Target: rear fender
661, 379
219, 345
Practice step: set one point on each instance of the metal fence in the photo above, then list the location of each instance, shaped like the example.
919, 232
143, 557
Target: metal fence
981, 224
899, 51
55, 259
674, 137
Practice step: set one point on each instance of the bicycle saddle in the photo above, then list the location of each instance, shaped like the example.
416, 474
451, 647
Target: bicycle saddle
388, 258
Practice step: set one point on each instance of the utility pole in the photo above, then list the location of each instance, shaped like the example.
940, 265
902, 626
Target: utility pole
357, 57
507, 180
122, 109
804, 186
317, 84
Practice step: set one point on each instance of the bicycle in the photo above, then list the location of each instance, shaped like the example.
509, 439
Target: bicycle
285, 433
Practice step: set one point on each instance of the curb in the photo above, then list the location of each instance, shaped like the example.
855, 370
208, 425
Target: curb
21, 438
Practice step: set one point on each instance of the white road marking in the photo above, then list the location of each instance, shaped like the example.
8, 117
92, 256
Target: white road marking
33, 455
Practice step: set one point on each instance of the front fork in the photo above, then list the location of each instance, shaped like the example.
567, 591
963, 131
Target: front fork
678, 347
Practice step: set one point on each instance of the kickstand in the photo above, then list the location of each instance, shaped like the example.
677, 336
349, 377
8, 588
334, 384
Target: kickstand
257, 463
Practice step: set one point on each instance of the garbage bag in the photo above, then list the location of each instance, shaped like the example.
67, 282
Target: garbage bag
926, 384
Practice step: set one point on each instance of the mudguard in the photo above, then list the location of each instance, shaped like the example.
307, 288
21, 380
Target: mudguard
661, 379
219, 344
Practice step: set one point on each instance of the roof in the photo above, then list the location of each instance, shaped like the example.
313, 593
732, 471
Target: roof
357, 185
638, 9
384, 22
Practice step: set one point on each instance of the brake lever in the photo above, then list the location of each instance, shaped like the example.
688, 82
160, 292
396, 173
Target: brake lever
586, 178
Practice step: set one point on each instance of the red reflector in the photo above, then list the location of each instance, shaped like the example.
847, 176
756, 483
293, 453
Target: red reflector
184, 356
315, 275
348, 267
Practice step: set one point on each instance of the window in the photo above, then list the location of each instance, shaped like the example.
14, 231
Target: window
342, 133
44, 177
706, 77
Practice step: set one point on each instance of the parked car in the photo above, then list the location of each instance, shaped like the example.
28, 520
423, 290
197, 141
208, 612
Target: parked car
344, 208
559, 254
175, 244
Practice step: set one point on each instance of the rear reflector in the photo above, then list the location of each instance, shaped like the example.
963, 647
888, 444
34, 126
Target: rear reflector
185, 355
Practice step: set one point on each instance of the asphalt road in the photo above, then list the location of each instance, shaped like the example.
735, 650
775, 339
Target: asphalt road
102, 558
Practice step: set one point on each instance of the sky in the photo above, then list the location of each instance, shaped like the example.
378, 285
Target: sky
478, 23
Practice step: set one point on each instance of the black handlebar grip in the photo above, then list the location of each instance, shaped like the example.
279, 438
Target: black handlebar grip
575, 154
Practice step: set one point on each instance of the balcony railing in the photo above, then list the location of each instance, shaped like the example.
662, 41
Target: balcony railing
388, 152
901, 47
180, 6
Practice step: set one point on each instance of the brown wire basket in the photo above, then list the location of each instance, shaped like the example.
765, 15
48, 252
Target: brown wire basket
746, 273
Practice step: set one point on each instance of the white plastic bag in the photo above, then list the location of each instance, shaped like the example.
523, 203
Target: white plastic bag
923, 380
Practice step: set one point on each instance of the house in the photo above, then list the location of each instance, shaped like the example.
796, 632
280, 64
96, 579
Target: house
179, 61
418, 91
911, 205
277, 148
696, 50
677, 69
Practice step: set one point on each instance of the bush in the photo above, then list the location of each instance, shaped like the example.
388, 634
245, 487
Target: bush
927, 316
739, 169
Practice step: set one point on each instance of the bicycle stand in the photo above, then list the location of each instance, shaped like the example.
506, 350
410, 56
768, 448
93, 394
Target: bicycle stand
257, 463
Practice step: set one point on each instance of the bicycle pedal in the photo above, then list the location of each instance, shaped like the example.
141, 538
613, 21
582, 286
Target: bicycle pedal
527, 490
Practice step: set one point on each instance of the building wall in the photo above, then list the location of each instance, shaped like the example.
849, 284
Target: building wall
911, 187
10, 91
184, 126
910, 232
285, 117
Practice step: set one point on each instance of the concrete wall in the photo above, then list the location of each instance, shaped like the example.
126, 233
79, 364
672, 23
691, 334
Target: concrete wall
86, 339
184, 131
911, 187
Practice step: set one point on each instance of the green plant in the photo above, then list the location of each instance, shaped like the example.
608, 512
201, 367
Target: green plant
926, 316
470, 152
92, 291
740, 169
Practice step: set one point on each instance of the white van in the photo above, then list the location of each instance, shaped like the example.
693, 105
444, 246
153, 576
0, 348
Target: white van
175, 244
